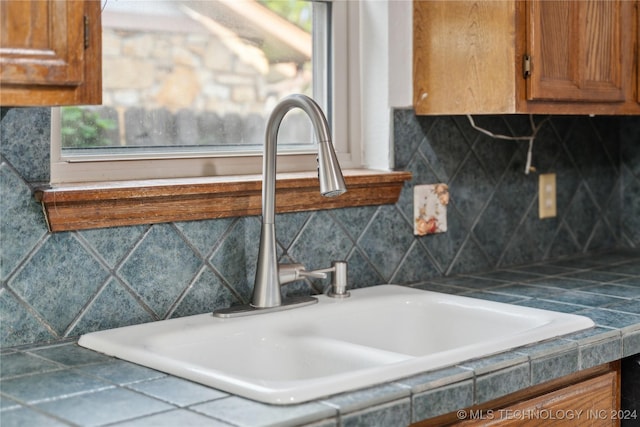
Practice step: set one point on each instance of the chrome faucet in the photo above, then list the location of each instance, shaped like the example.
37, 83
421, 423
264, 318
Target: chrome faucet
269, 275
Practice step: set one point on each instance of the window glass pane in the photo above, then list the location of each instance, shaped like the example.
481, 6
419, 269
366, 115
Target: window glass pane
200, 75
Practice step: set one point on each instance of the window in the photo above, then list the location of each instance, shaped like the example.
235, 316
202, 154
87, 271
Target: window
85, 192
188, 86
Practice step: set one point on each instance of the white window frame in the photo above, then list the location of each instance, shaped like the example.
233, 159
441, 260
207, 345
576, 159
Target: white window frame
345, 128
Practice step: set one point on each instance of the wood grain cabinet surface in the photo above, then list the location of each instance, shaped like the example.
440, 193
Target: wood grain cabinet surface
585, 398
555, 57
591, 402
50, 52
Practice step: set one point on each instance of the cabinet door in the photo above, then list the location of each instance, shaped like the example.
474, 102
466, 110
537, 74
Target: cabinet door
41, 42
50, 52
592, 402
580, 50
463, 57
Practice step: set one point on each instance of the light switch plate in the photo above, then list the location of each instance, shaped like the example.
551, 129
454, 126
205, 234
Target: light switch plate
430, 209
547, 195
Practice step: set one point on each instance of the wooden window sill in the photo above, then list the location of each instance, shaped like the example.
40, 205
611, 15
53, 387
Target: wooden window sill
112, 204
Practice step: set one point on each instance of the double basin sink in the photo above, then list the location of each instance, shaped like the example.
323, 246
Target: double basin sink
379, 334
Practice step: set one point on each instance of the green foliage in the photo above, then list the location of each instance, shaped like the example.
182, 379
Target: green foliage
296, 11
83, 128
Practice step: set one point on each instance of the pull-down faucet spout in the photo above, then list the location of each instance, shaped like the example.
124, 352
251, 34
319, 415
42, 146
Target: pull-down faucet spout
266, 290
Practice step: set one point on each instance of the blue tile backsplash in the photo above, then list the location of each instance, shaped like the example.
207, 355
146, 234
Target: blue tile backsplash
58, 286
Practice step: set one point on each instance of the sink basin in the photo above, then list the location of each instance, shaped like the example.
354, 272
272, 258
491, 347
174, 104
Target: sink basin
379, 334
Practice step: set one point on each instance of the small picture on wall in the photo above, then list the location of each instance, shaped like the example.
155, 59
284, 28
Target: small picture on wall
430, 209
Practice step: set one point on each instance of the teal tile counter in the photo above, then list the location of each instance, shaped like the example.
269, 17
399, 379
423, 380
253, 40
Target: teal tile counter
66, 385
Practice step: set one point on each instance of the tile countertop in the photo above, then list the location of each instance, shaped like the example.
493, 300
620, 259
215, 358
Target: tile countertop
63, 384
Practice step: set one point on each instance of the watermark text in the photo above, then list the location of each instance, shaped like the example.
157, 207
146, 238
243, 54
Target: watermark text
547, 414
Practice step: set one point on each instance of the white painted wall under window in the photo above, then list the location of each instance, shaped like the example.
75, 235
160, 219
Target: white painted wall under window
386, 63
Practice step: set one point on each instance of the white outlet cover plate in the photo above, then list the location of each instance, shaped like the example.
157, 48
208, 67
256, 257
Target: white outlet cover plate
430, 209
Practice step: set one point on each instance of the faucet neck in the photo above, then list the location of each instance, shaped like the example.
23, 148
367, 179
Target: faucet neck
320, 126
266, 290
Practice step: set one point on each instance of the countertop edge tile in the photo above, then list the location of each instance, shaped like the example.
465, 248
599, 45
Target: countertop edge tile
630, 343
600, 352
236, 409
442, 400
495, 362
437, 378
397, 412
554, 366
501, 383
356, 400
548, 348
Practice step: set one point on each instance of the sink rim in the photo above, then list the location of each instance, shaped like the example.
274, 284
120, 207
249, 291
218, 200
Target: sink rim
301, 390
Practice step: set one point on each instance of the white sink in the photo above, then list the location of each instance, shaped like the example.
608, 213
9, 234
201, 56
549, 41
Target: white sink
379, 334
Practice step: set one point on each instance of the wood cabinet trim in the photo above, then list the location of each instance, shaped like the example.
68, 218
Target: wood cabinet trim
111, 204
636, 50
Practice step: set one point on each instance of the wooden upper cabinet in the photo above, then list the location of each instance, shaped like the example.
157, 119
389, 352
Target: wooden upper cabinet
576, 50
511, 56
50, 52
463, 56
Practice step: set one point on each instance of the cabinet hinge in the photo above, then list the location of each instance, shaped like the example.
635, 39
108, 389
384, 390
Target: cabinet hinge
526, 66
86, 32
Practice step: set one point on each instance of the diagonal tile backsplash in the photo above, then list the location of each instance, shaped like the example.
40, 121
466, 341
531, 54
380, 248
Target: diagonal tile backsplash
495, 203
630, 177
58, 286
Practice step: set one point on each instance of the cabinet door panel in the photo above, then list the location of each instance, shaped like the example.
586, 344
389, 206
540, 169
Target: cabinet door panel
576, 50
463, 56
593, 402
41, 42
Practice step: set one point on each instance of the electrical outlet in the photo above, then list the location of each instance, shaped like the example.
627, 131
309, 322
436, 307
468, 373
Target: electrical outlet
547, 195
